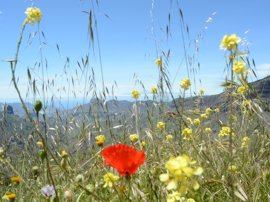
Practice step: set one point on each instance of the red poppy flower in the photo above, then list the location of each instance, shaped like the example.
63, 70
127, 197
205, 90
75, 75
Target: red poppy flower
125, 159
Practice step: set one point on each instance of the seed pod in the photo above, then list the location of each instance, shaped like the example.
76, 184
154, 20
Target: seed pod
38, 106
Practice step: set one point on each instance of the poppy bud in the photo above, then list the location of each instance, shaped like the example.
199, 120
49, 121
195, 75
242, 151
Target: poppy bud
38, 106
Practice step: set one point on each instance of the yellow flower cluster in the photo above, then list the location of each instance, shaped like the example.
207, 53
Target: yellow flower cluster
230, 42
225, 131
181, 172
135, 94
185, 83
169, 138
100, 139
239, 67
110, 179
33, 15
204, 116
161, 125
232, 168
134, 138
154, 90
245, 142
176, 196
187, 133
242, 89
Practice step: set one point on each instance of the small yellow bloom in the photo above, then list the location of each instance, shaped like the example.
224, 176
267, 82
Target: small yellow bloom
169, 138
201, 92
208, 130
230, 42
239, 67
63, 153
154, 90
16, 179
246, 103
134, 138
225, 131
143, 143
9, 196
135, 94
159, 62
189, 120
100, 139
232, 168
33, 15
196, 122
204, 116
187, 133
185, 83
161, 125
40, 144
174, 196
245, 142
242, 89
110, 179
208, 111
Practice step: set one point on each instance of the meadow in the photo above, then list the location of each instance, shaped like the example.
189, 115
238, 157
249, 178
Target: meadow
162, 147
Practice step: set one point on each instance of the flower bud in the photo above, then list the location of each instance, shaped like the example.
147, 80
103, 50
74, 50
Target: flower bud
38, 106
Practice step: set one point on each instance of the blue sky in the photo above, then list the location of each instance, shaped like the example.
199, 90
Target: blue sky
126, 41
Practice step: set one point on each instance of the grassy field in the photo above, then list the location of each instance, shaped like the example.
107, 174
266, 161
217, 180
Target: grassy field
154, 153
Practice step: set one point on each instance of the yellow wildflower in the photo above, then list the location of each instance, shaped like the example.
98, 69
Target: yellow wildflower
154, 90
232, 168
196, 122
110, 179
180, 173
63, 153
201, 92
189, 120
100, 139
33, 15
159, 62
9, 196
134, 138
169, 138
225, 131
187, 133
242, 89
230, 42
135, 94
239, 67
245, 142
208, 111
204, 116
174, 196
161, 125
40, 144
143, 143
208, 130
185, 83
16, 179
